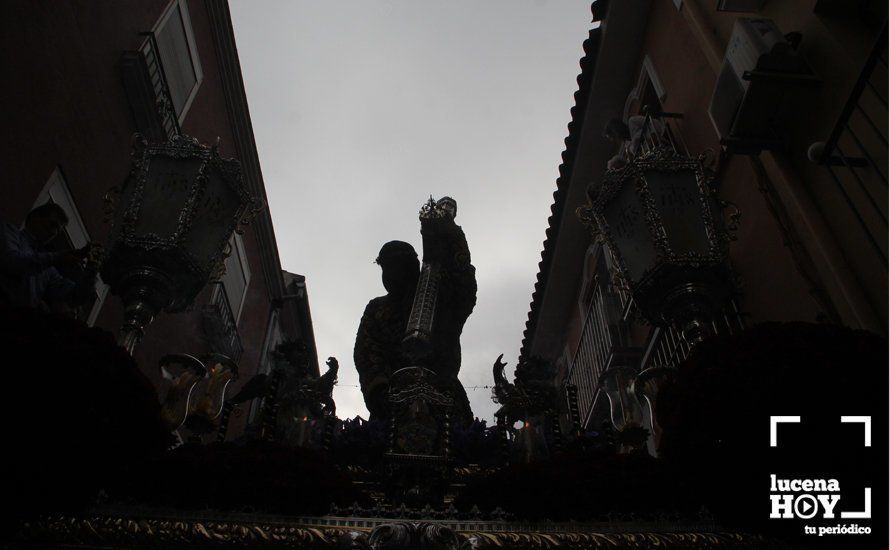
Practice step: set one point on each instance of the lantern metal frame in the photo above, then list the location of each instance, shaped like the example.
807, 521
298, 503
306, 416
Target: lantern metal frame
682, 287
154, 273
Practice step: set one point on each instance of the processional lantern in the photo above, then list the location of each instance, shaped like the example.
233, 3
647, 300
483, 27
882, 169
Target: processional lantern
659, 218
172, 220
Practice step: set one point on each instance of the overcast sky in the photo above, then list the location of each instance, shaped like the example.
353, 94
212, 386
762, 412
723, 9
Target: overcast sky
363, 109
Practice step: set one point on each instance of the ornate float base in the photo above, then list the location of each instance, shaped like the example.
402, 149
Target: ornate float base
170, 529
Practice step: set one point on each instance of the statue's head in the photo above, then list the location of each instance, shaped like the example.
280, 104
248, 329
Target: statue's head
448, 205
400, 266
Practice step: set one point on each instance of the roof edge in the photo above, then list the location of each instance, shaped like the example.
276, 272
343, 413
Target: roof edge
566, 169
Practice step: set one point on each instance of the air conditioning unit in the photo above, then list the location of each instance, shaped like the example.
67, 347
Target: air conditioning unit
760, 75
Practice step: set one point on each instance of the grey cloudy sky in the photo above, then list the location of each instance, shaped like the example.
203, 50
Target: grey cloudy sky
363, 109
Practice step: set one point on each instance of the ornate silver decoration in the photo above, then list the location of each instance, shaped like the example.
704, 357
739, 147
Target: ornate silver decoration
423, 312
172, 220
98, 530
420, 413
661, 220
420, 432
413, 383
409, 535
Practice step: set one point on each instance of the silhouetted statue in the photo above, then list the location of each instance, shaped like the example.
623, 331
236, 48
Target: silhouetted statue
419, 321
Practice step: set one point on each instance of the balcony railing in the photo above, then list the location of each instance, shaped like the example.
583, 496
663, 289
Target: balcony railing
145, 83
219, 325
663, 130
159, 83
667, 347
602, 343
855, 154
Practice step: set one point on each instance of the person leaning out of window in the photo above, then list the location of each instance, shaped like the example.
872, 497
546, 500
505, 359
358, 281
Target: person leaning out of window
28, 271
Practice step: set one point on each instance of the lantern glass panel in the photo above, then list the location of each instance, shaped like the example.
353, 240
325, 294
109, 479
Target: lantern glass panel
677, 198
628, 230
214, 219
167, 187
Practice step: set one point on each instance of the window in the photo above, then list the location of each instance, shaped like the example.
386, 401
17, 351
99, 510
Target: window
179, 56
648, 91
222, 312
237, 276
74, 236
588, 280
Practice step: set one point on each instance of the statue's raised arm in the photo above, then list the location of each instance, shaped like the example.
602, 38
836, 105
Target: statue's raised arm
446, 276
445, 297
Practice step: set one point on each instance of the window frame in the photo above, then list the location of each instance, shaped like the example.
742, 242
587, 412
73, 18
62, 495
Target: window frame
56, 189
237, 253
274, 336
648, 75
182, 7
588, 280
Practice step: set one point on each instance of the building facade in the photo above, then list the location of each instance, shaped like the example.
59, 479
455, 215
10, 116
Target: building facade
800, 151
88, 75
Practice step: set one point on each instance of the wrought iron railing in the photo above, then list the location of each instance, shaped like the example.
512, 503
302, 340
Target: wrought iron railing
602, 338
220, 328
159, 82
667, 347
855, 155
662, 129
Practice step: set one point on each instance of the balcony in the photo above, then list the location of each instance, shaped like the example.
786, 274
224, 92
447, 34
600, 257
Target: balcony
603, 344
218, 323
148, 92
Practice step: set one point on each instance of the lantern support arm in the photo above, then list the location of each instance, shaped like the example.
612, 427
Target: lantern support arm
139, 314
